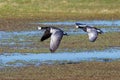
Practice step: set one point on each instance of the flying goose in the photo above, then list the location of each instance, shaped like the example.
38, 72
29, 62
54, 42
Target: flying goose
56, 35
91, 31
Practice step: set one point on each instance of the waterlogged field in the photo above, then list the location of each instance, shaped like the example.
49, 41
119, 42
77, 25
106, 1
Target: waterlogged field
29, 41
76, 58
23, 56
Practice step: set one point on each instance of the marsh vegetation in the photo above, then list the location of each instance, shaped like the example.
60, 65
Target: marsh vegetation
83, 71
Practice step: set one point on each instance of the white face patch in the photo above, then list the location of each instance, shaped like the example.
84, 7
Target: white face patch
51, 30
77, 26
82, 25
39, 28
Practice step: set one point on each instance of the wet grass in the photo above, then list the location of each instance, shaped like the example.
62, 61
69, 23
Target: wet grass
81, 42
68, 44
79, 71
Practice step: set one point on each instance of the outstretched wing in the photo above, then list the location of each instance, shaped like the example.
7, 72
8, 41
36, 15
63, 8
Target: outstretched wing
46, 35
55, 40
92, 35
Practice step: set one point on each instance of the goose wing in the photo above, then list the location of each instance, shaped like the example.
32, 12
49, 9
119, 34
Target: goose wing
55, 40
92, 34
46, 35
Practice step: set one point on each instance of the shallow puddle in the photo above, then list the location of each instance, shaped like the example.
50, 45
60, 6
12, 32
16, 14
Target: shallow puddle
88, 22
18, 59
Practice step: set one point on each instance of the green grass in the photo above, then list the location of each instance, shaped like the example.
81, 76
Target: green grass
45, 10
18, 14
80, 71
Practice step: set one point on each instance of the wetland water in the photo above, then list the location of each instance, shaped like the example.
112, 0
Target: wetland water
92, 23
18, 59
23, 39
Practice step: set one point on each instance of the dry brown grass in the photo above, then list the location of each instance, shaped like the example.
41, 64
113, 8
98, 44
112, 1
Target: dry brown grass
80, 71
